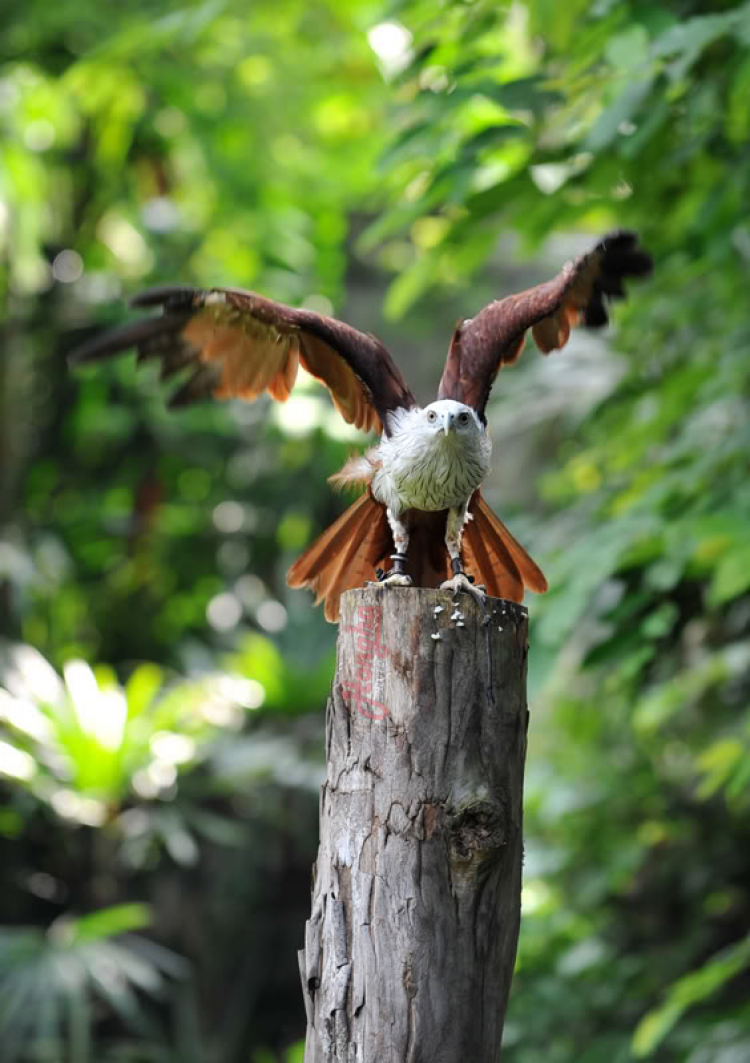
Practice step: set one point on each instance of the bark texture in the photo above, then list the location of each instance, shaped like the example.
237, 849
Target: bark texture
410, 946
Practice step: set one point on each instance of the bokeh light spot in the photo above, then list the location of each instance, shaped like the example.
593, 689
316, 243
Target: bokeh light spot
224, 612
271, 615
67, 267
228, 517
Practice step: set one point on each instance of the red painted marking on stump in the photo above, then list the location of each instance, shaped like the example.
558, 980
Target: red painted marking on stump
371, 655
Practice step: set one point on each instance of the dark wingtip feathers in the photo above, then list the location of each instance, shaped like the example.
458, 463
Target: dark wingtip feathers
156, 337
201, 385
170, 296
621, 257
150, 337
178, 303
595, 315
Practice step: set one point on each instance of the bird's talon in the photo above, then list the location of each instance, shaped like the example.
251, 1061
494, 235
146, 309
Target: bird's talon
462, 582
393, 579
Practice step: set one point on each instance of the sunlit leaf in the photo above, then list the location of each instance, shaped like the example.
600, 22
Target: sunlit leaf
110, 921
687, 992
732, 576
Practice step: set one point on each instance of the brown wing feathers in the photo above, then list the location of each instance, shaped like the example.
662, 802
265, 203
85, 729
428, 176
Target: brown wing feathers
347, 554
240, 344
578, 295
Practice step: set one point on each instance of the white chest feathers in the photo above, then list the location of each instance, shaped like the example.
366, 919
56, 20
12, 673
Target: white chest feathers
433, 459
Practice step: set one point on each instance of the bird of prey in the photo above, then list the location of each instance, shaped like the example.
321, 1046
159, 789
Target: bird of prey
421, 509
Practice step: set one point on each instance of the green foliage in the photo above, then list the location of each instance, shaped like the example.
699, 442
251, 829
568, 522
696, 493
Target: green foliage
212, 143
636, 873
687, 991
208, 142
50, 982
87, 746
136, 779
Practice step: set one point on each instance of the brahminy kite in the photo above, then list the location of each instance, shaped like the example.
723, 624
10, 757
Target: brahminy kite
421, 509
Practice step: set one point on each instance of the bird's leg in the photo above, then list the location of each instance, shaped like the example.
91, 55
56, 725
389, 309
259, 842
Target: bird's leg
397, 577
454, 529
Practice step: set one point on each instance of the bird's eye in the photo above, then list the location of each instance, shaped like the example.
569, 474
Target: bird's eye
432, 416
463, 418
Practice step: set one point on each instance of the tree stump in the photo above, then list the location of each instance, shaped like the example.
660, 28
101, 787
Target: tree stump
410, 947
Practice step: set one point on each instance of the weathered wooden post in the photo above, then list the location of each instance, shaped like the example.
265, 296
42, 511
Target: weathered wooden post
410, 946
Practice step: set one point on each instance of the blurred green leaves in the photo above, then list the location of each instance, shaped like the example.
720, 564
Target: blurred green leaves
87, 745
205, 142
52, 982
211, 142
142, 772
693, 989
636, 868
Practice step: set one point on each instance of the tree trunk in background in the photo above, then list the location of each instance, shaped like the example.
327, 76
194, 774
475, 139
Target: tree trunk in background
410, 947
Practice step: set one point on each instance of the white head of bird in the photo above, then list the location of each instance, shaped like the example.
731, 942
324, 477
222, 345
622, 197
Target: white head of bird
451, 418
432, 458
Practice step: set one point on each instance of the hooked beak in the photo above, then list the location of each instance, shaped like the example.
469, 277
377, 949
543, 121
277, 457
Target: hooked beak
447, 423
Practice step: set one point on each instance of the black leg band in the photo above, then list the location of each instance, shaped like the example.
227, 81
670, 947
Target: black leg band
456, 567
399, 564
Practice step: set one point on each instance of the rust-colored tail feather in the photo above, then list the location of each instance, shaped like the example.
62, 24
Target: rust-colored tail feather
495, 558
345, 555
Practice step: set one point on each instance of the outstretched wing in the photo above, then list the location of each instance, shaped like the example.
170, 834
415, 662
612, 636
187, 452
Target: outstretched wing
577, 295
237, 345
